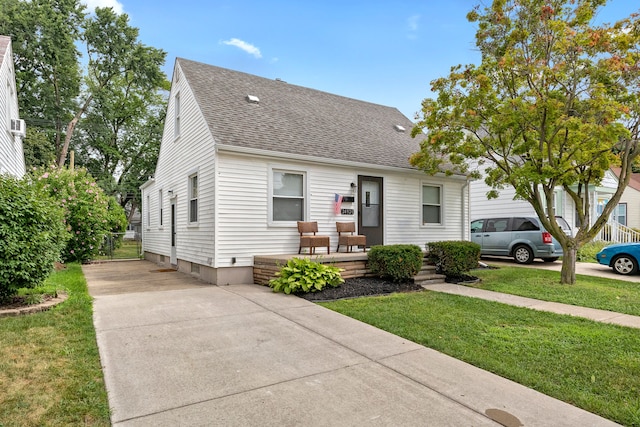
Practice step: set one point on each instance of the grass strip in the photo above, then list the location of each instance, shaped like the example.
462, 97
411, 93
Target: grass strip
587, 364
50, 371
588, 291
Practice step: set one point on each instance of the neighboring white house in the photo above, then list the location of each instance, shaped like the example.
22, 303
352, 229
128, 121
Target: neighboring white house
628, 212
12, 129
244, 157
506, 205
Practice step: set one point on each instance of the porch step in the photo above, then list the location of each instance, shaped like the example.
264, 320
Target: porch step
428, 276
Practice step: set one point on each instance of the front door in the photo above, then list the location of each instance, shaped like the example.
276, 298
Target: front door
174, 255
370, 218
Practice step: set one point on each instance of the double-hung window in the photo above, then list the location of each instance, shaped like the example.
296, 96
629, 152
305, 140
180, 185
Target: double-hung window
288, 196
431, 204
193, 198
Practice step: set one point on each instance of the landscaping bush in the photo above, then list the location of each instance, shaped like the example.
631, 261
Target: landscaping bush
588, 251
89, 214
397, 262
454, 258
32, 235
302, 275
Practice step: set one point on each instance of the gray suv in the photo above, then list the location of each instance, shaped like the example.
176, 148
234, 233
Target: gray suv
523, 238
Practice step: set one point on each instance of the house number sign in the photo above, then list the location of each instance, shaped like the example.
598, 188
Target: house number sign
346, 212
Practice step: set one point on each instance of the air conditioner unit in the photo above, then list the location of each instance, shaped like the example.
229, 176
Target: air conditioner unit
18, 127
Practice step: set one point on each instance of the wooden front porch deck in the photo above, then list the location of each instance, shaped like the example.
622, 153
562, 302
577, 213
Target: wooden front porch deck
354, 264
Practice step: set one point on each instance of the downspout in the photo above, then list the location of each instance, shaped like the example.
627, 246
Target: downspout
466, 217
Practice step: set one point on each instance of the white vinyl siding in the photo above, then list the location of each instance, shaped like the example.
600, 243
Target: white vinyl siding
176, 161
11, 152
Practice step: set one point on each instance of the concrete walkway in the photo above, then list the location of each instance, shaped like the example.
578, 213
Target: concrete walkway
178, 352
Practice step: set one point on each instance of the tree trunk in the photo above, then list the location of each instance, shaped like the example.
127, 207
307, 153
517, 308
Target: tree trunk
70, 128
568, 272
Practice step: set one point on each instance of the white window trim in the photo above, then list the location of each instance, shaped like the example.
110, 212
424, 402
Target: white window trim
160, 210
305, 187
441, 224
195, 173
148, 212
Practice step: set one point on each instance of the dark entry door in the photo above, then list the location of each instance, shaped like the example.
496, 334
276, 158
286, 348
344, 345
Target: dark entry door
370, 218
174, 255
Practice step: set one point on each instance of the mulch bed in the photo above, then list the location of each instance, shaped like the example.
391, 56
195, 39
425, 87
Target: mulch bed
370, 286
359, 287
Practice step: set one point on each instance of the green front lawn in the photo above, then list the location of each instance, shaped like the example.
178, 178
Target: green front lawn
50, 373
591, 365
594, 292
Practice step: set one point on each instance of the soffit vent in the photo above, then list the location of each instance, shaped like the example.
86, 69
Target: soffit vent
399, 128
253, 99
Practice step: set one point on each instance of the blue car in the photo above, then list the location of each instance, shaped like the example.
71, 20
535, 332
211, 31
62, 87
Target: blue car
622, 257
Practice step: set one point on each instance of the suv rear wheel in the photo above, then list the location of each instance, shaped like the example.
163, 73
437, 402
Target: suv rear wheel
523, 254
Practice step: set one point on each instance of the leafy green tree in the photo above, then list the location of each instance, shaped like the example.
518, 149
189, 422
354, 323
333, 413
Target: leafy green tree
44, 37
87, 210
119, 140
553, 104
123, 75
32, 232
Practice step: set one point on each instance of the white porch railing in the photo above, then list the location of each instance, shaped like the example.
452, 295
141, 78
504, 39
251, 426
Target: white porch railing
615, 232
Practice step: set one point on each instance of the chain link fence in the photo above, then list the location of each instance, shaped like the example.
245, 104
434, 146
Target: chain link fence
126, 245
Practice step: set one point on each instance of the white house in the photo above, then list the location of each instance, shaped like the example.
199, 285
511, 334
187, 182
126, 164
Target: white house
12, 129
244, 157
628, 212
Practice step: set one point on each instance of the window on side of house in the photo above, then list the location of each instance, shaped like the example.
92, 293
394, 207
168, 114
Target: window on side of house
621, 215
287, 196
176, 112
431, 204
160, 207
193, 198
148, 210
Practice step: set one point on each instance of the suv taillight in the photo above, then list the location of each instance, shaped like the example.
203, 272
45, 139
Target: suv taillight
546, 237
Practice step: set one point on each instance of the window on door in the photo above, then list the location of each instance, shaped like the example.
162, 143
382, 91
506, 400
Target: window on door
287, 196
431, 204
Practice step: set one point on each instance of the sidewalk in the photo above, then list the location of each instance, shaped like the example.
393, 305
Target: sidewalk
176, 351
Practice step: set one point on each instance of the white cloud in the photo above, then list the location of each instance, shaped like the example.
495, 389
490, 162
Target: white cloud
413, 22
247, 47
115, 4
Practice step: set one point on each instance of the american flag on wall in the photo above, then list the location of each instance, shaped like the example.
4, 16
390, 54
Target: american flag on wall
337, 204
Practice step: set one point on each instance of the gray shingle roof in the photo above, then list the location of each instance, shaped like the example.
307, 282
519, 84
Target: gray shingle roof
297, 120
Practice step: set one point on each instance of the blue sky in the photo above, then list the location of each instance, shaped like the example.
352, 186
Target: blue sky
385, 52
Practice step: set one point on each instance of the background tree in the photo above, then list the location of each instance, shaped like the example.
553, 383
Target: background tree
119, 67
44, 34
119, 139
553, 104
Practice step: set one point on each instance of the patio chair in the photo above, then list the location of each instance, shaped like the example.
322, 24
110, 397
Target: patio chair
312, 241
346, 236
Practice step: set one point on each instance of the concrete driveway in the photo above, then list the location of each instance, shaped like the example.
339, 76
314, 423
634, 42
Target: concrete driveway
176, 351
